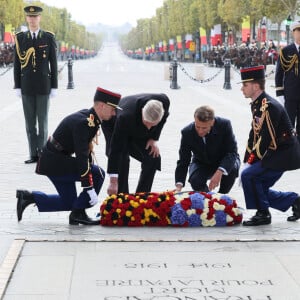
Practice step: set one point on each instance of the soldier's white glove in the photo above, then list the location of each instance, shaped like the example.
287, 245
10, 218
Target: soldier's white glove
93, 197
18, 93
281, 99
53, 93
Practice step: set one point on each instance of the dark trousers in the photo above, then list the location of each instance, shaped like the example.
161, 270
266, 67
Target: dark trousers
67, 198
292, 106
200, 174
36, 113
257, 181
149, 165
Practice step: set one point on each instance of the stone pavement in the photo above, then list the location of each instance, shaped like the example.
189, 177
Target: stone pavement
255, 263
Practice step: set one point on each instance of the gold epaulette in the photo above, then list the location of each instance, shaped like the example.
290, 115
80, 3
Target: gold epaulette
24, 58
287, 64
50, 32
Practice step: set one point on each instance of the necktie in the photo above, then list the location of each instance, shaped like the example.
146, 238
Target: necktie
33, 38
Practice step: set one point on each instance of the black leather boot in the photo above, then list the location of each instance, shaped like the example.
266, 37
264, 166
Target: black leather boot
79, 216
296, 211
25, 198
262, 217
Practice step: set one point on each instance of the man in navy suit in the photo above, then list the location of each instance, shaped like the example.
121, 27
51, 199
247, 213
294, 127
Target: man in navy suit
287, 78
208, 150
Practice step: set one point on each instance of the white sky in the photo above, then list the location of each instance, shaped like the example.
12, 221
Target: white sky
109, 12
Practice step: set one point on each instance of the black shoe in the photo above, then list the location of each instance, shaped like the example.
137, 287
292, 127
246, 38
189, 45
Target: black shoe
296, 211
260, 218
79, 216
25, 198
31, 160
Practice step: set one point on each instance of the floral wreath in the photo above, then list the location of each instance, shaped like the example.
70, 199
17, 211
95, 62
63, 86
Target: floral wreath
169, 208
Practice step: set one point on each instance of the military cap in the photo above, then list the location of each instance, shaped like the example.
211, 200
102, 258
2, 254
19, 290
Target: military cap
252, 73
32, 10
107, 97
295, 25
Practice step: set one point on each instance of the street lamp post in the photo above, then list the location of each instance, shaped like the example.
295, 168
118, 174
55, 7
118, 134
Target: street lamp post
288, 23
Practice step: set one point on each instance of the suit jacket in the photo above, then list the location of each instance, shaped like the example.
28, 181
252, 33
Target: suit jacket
271, 138
35, 72
74, 135
127, 126
287, 76
219, 150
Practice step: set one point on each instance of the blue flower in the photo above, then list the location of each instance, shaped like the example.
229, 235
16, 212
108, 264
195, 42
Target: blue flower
197, 200
220, 217
228, 200
194, 220
178, 215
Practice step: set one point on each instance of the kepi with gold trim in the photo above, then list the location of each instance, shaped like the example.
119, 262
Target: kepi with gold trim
252, 73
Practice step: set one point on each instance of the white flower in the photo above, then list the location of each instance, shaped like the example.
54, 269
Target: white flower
218, 206
228, 219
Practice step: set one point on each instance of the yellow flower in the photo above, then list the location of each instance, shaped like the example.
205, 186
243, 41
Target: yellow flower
118, 210
120, 200
134, 204
128, 213
132, 218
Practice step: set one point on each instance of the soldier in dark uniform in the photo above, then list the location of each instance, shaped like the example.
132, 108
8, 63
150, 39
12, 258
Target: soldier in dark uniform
287, 78
134, 132
272, 149
74, 135
35, 77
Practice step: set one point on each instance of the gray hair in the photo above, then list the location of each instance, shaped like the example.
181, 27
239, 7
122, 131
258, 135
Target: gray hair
153, 111
204, 113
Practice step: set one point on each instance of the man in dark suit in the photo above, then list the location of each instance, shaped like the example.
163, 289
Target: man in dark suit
74, 135
35, 77
287, 78
272, 149
134, 132
208, 150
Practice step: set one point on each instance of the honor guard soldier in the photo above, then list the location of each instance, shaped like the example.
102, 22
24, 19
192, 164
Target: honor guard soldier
67, 158
35, 78
287, 78
272, 149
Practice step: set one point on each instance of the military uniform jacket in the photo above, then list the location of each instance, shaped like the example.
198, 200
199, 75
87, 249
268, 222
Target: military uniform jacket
128, 126
35, 72
271, 138
74, 135
219, 149
287, 76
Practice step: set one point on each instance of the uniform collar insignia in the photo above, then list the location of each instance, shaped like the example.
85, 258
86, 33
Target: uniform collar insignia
91, 120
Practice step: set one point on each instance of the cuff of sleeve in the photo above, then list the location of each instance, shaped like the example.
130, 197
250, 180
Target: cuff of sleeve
113, 175
223, 171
